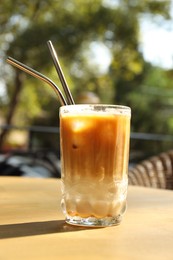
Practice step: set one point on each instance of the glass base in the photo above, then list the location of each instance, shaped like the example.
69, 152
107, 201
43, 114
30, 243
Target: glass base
94, 222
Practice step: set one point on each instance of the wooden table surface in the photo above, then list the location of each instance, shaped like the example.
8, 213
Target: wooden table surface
32, 225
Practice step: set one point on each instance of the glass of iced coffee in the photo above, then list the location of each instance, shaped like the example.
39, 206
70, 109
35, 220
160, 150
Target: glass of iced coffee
94, 159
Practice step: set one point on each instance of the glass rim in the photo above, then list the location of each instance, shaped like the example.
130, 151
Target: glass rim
110, 107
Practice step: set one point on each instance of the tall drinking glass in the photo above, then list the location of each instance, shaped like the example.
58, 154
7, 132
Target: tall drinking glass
94, 158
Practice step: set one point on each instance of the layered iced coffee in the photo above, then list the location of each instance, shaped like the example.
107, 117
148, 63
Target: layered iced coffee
94, 156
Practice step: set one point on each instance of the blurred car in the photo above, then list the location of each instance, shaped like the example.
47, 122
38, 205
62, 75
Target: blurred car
30, 164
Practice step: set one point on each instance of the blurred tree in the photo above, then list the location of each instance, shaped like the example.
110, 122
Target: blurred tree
73, 26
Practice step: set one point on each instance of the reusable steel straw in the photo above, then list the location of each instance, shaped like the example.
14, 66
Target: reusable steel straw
38, 75
60, 73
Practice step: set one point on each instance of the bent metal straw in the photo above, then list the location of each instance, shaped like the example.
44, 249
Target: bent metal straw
38, 75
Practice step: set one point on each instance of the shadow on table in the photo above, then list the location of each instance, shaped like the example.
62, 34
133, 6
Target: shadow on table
37, 228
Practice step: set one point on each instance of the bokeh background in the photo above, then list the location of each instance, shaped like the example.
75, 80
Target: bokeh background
111, 51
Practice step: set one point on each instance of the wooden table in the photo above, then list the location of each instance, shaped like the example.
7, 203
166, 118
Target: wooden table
32, 225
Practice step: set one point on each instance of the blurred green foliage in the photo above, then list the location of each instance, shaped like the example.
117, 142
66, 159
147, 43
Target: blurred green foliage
73, 25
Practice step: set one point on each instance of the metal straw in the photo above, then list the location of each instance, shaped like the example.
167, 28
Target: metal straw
38, 75
60, 73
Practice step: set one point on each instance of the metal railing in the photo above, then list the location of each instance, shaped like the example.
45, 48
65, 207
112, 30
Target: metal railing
135, 137
31, 130
151, 137
55, 130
